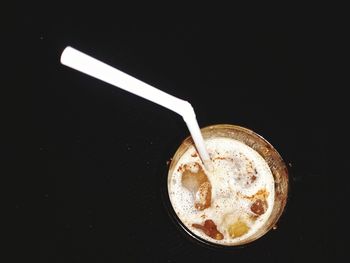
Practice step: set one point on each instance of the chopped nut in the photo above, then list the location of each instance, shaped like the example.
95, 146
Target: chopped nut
259, 207
209, 228
238, 229
197, 182
203, 196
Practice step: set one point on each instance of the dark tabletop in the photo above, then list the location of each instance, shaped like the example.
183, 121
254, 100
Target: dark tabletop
103, 152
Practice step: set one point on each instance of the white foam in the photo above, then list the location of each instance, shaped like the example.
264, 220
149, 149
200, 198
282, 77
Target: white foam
234, 165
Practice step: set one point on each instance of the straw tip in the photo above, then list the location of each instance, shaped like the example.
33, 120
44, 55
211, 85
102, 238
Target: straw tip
66, 54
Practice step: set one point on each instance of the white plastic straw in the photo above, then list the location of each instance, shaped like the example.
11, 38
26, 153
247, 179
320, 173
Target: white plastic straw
93, 67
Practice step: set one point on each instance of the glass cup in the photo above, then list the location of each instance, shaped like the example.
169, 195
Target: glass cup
279, 182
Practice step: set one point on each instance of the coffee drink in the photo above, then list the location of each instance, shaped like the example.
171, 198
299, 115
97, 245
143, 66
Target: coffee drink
240, 198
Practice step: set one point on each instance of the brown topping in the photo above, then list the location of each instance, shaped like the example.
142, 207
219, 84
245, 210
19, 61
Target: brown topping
253, 178
251, 172
261, 194
180, 168
209, 228
259, 207
203, 198
194, 154
198, 183
223, 158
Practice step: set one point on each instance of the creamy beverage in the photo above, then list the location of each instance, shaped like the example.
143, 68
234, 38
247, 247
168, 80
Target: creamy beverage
229, 205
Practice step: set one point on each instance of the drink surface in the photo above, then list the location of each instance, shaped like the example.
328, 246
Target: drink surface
229, 204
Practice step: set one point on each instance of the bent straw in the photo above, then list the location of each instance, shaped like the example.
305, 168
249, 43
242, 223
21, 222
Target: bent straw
82, 62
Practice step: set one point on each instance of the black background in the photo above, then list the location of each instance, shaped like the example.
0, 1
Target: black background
102, 152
